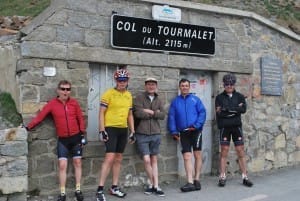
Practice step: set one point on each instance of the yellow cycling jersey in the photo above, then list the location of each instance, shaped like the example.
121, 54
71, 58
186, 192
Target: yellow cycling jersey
118, 105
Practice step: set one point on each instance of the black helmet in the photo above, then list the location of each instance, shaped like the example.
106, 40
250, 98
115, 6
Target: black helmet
229, 79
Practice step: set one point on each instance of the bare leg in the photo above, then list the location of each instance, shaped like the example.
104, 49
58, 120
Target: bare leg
77, 163
187, 157
62, 174
116, 168
241, 158
223, 159
198, 164
106, 166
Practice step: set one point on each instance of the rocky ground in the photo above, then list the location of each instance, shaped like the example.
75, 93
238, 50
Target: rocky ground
11, 25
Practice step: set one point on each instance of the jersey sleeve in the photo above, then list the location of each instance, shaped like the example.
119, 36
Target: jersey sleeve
105, 99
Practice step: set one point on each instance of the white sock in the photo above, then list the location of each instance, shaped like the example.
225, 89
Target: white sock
223, 176
244, 176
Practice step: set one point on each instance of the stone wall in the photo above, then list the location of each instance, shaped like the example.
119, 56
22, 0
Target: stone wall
9, 54
13, 164
72, 34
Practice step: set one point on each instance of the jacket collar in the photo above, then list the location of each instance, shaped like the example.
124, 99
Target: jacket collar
188, 95
233, 92
146, 94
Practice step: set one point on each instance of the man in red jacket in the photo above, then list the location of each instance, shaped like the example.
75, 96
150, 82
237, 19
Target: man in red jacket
70, 130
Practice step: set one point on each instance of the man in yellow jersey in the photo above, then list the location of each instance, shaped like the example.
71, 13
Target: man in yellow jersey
115, 115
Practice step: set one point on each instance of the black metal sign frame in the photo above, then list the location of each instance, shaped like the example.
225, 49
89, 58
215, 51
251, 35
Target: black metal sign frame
144, 34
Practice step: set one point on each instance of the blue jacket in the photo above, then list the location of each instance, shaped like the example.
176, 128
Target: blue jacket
186, 112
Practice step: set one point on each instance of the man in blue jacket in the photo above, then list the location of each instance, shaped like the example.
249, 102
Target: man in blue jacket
186, 118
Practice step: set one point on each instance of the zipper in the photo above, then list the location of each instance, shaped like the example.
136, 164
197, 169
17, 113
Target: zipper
186, 119
151, 118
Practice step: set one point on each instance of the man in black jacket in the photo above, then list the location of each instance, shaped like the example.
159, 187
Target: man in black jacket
230, 104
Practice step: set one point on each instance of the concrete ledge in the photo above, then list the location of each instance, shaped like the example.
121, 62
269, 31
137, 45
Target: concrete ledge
112, 56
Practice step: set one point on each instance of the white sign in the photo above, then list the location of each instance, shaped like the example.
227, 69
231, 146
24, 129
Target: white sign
49, 71
166, 13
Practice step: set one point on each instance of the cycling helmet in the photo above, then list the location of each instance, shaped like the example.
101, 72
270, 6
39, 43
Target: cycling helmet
229, 79
121, 75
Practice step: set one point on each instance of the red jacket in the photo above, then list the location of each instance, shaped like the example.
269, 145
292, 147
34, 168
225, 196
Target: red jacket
68, 118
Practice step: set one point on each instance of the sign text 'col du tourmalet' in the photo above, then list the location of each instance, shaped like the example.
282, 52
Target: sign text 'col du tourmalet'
145, 34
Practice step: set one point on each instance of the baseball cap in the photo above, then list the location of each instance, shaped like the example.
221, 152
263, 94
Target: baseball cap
151, 79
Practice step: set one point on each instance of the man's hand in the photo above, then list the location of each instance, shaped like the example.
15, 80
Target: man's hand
176, 137
103, 136
192, 128
23, 126
132, 138
148, 111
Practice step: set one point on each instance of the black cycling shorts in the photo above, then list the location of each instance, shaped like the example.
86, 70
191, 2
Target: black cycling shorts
234, 133
69, 146
117, 139
191, 139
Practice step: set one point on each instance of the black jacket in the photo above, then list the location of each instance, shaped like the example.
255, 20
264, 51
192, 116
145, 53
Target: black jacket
231, 109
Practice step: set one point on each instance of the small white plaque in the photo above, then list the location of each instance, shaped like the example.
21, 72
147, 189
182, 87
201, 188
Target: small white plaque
166, 13
49, 71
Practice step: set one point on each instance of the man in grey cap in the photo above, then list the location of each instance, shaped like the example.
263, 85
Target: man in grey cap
148, 110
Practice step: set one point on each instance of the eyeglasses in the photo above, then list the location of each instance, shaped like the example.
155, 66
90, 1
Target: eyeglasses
65, 89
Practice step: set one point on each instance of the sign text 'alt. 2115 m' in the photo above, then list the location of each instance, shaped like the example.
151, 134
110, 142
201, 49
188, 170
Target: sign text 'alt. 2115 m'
145, 34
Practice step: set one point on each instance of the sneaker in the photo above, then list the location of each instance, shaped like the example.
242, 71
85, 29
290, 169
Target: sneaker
61, 197
158, 192
188, 187
117, 192
149, 190
222, 182
247, 182
197, 185
79, 195
100, 196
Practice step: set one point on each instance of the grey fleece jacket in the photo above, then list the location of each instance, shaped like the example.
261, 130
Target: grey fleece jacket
146, 123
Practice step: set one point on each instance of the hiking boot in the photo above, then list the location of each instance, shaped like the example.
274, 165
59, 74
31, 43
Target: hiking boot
247, 182
61, 197
157, 191
117, 192
79, 195
100, 196
197, 185
188, 187
149, 190
222, 182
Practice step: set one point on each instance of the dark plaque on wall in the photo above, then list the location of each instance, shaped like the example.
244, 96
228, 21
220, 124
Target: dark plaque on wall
144, 34
271, 76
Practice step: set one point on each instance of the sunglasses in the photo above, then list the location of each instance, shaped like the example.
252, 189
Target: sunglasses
65, 89
227, 85
122, 80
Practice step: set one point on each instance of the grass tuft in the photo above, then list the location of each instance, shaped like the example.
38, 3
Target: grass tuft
23, 7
